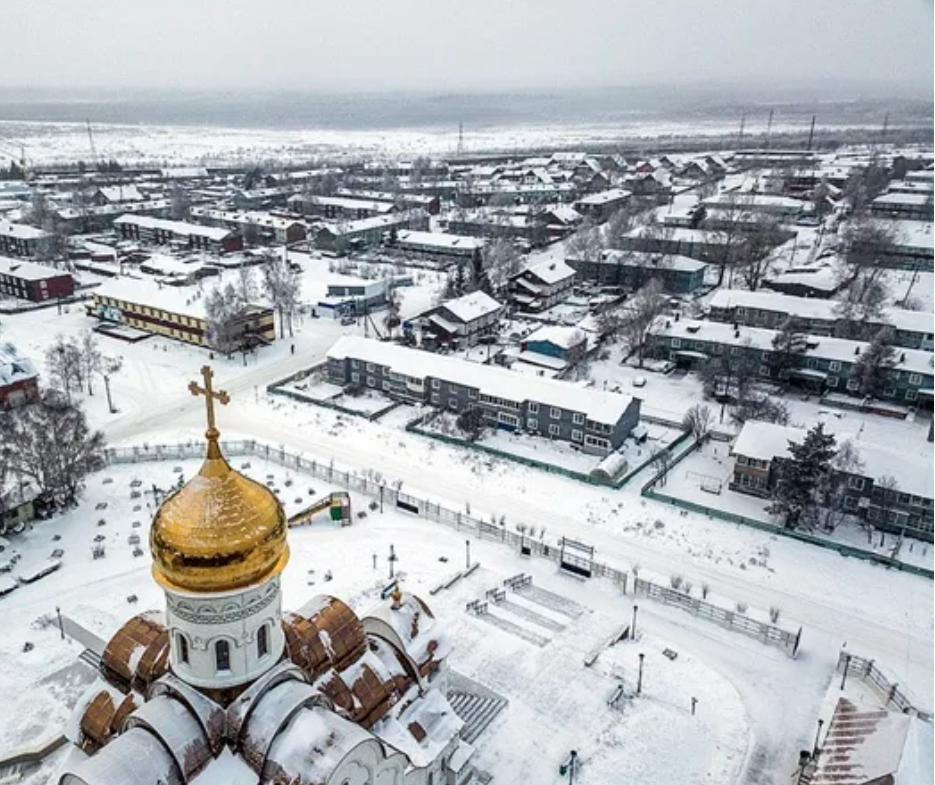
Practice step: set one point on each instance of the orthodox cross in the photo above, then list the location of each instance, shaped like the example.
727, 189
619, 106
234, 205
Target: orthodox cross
210, 395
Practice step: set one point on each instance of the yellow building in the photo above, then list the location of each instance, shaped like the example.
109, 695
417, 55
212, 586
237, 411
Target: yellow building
174, 312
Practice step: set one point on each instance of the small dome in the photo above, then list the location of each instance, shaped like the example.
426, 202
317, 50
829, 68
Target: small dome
221, 531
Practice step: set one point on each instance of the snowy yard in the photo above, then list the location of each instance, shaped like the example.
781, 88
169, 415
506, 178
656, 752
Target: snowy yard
703, 478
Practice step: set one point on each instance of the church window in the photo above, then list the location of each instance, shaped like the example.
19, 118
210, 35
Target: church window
262, 641
183, 648
222, 655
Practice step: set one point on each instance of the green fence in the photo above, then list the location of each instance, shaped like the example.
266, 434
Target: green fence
415, 427
844, 550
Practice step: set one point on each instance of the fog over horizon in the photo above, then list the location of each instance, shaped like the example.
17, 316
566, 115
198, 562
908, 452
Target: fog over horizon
834, 48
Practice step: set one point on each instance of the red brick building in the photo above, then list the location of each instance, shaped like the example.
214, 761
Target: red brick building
31, 281
19, 382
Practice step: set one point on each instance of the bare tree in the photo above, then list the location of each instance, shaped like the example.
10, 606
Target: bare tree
789, 344
224, 310
638, 315
884, 493
503, 260
698, 421
586, 243
51, 444
391, 319
63, 362
862, 274
754, 257
731, 376
726, 230
180, 204
661, 461
246, 284
864, 185
91, 358
833, 489
283, 287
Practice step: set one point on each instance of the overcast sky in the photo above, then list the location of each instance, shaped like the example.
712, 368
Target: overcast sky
470, 44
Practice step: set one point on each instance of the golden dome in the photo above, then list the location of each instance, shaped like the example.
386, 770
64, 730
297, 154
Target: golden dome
221, 531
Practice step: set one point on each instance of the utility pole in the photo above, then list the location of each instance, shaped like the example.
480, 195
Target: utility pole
811, 134
392, 561
460, 139
743, 121
769, 129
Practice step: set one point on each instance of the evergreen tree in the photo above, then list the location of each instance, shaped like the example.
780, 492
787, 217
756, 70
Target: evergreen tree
801, 476
789, 344
872, 367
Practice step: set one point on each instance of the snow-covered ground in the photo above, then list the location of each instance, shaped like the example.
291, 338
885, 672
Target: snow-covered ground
704, 476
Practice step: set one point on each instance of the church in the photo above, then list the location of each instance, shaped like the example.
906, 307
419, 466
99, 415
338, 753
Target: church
225, 688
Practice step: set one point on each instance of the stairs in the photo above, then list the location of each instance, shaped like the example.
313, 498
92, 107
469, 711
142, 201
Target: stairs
90, 658
477, 711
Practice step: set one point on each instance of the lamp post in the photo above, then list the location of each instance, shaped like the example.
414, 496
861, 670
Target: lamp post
847, 665
639, 678
61, 628
817, 736
467, 554
633, 625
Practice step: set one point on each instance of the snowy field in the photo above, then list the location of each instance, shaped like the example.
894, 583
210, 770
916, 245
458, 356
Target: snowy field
167, 145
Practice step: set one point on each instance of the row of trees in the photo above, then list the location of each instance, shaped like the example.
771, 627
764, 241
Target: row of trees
74, 363
49, 445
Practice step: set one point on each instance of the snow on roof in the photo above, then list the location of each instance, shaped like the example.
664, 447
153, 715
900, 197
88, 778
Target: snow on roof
228, 769
819, 278
22, 231
121, 193
565, 337
753, 201
918, 200
174, 227
134, 756
551, 271
416, 627
765, 441
433, 714
648, 259
439, 240
603, 197
13, 367
366, 224
565, 213
254, 217
472, 306
29, 271
824, 347
598, 406
314, 743
913, 234
814, 308
177, 300
346, 203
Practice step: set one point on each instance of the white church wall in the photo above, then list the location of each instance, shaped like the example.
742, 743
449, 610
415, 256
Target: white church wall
234, 617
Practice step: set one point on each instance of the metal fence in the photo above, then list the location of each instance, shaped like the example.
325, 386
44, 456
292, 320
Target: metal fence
850, 665
461, 521
845, 550
786, 640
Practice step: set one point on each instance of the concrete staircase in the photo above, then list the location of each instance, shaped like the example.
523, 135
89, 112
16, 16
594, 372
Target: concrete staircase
476, 710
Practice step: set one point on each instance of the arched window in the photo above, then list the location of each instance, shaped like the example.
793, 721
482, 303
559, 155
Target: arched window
262, 641
182, 644
222, 655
